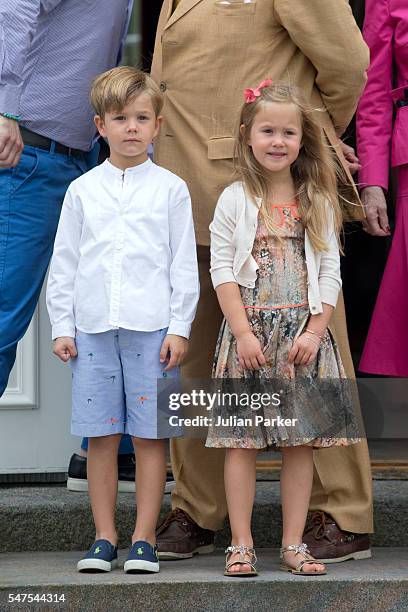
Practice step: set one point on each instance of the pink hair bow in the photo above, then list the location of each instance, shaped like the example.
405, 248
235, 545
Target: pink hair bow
251, 95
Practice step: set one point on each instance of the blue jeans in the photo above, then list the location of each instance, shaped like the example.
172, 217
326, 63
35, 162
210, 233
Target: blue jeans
31, 196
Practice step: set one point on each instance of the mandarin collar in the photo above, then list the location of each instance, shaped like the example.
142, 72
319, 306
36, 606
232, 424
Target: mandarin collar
133, 170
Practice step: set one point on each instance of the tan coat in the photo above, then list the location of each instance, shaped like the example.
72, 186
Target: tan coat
207, 52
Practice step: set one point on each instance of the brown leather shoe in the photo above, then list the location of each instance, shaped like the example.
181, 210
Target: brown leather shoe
330, 544
179, 537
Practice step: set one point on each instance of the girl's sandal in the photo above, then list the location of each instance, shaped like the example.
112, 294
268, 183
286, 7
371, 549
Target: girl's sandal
307, 558
244, 551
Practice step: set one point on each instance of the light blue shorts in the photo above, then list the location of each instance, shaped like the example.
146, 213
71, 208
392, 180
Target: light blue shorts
114, 384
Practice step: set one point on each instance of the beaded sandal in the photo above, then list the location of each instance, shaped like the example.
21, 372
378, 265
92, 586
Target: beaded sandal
300, 549
243, 550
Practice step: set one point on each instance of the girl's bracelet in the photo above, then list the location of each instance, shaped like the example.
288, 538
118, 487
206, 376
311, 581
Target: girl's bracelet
11, 116
308, 339
310, 331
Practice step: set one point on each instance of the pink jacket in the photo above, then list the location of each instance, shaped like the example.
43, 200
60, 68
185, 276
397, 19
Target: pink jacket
386, 33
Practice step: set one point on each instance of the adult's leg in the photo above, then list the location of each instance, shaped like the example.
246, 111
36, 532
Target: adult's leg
31, 196
342, 486
343, 483
385, 351
200, 492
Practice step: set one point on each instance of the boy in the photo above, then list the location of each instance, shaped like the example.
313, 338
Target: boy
122, 293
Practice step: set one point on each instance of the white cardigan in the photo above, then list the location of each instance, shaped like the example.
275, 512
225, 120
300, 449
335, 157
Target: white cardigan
233, 232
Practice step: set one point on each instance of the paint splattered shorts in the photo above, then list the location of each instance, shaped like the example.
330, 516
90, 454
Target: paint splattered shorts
114, 384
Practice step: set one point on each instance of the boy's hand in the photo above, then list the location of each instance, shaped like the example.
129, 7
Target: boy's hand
304, 349
177, 347
65, 348
250, 352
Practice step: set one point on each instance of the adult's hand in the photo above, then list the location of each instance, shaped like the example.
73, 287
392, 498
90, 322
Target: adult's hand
375, 205
11, 143
351, 158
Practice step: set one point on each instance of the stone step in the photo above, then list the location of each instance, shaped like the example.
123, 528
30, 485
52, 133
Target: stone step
198, 584
52, 518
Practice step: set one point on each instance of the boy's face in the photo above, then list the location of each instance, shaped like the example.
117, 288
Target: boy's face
130, 131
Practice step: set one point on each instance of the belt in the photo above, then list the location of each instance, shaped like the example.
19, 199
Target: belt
42, 142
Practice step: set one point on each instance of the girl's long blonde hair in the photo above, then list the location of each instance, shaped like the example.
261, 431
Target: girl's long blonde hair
313, 172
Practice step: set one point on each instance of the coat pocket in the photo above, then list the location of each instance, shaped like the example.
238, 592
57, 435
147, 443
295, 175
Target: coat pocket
399, 151
233, 8
221, 148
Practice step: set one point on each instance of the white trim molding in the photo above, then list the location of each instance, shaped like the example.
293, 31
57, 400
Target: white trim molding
22, 391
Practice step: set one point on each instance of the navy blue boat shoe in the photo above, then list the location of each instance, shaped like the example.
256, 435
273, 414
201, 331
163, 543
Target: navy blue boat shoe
101, 557
142, 559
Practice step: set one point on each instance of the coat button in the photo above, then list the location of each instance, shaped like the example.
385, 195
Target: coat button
163, 86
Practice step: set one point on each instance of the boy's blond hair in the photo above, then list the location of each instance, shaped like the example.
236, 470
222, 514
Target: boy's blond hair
114, 89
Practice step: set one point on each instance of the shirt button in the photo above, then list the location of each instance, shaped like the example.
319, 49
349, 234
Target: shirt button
313, 309
163, 86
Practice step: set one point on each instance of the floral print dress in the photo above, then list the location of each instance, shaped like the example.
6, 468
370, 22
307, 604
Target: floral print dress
317, 397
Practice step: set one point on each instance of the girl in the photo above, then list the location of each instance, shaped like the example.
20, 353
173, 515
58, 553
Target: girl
275, 265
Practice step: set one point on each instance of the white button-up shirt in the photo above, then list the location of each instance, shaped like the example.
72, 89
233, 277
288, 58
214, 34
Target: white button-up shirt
124, 254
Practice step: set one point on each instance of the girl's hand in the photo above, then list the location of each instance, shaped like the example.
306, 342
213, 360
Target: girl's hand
250, 352
177, 347
65, 348
304, 349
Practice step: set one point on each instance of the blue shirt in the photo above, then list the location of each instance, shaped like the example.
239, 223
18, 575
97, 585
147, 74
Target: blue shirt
50, 50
